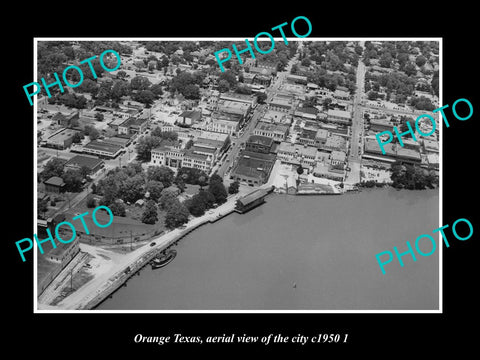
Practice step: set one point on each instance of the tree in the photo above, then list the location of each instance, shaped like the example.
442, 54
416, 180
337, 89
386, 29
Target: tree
105, 91
189, 144
300, 170
145, 97
420, 60
154, 188
306, 62
422, 103
223, 86
149, 215
217, 189
73, 180
233, 187
121, 74
91, 132
215, 178
118, 208
191, 92
202, 181
196, 205
99, 116
243, 89
42, 207
410, 69
119, 89
208, 198
91, 202
88, 86
54, 167
261, 97
228, 76
156, 90
132, 188
162, 174
177, 215
145, 145
140, 83
167, 198
326, 103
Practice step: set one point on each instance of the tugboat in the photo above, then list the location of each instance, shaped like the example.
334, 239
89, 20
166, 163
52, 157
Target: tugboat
163, 259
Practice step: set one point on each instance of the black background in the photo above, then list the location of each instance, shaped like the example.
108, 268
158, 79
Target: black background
112, 334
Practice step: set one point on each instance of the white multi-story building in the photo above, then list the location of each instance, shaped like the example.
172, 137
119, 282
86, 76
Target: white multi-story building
175, 158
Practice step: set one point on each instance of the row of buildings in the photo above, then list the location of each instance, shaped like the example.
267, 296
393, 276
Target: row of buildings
206, 149
422, 151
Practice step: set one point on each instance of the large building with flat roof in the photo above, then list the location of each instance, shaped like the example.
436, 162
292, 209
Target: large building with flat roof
257, 143
339, 116
61, 139
297, 79
249, 99
103, 148
234, 107
171, 155
253, 168
275, 131
224, 123
296, 154
133, 125
93, 164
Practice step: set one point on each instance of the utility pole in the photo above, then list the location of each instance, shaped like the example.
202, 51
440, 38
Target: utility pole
131, 239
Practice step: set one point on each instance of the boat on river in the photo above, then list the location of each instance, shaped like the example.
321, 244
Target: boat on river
163, 259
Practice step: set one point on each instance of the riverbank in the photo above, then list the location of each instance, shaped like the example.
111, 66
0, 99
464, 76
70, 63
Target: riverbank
325, 245
111, 269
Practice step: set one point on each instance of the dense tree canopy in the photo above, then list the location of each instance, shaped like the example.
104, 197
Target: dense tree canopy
149, 215
412, 177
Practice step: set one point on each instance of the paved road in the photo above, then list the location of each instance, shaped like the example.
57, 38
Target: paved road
247, 131
357, 120
357, 129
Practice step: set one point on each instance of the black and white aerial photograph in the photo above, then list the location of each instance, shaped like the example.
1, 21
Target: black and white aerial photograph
251, 184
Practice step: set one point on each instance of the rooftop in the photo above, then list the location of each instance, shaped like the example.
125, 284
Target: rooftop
271, 127
335, 141
133, 121
103, 146
308, 134
82, 160
258, 139
338, 155
408, 153
191, 114
222, 116
55, 181
339, 113
62, 135
253, 196
297, 148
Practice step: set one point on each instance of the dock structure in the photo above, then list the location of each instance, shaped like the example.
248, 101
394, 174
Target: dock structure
251, 200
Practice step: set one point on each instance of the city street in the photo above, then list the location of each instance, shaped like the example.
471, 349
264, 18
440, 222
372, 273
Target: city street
246, 132
357, 129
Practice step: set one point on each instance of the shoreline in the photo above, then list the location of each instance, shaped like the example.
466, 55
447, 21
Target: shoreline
117, 274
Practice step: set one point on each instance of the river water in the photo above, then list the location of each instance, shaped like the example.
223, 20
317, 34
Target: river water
300, 253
